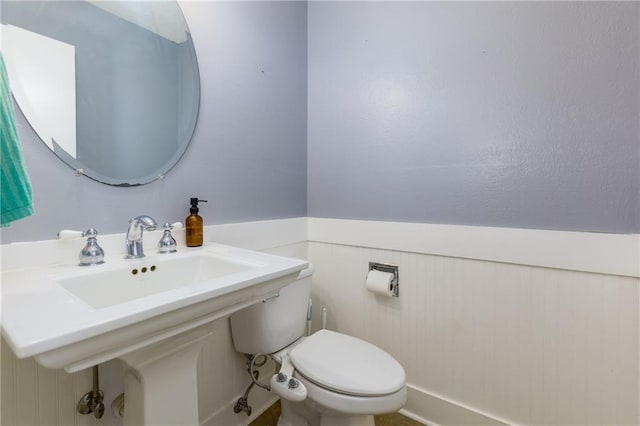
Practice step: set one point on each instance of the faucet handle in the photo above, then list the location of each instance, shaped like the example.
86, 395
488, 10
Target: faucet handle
92, 253
91, 233
66, 234
174, 225
167, 243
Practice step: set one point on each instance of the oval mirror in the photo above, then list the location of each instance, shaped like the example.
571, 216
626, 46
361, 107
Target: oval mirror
111, 87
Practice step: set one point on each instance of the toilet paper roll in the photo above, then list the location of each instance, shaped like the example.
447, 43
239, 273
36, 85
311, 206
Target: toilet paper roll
379, 282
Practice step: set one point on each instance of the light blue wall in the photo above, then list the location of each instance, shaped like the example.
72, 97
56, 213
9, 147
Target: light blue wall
509, 114
248, 155
502, 114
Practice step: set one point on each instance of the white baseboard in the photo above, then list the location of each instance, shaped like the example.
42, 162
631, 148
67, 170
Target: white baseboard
422, 406
434, 410
614, 254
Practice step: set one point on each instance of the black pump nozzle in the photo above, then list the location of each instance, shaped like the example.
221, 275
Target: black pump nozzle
194, 204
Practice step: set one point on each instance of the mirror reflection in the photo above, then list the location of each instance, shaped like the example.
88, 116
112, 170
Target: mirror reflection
111, 87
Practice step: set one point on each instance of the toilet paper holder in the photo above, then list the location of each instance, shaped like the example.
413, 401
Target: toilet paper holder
392, 269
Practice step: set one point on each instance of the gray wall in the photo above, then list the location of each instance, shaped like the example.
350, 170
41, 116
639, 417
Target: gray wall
248, 155
510, 114
501, 114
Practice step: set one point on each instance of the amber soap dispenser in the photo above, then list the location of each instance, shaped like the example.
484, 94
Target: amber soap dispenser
193, 224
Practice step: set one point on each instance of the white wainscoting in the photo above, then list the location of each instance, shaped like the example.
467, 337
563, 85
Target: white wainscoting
33, 395
616, 254
489, 342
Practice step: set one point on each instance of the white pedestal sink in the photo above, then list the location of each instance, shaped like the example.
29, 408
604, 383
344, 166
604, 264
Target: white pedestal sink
159, 381
151, 313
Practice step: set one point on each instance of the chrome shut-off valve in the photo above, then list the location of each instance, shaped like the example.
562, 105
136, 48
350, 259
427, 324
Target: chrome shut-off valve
92, 401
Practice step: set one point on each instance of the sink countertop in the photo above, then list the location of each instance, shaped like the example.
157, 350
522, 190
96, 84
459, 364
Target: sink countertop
39, 315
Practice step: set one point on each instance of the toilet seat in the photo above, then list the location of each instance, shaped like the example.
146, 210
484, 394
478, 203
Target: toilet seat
353, 404
347, 365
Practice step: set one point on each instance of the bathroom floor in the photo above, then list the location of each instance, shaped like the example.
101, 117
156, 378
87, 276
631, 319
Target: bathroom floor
270, 418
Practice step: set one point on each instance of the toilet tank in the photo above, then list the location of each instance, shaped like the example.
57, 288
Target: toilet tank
270, 325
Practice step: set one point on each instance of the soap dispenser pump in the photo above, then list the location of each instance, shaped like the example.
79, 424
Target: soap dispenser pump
193, 224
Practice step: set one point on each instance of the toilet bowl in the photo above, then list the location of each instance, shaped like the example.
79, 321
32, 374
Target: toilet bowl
345, 380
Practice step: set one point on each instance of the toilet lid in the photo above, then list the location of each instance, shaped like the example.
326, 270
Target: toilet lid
347, 365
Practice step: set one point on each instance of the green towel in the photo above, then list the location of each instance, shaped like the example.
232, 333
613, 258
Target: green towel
15, 188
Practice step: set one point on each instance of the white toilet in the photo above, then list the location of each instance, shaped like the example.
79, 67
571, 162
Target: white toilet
337, 379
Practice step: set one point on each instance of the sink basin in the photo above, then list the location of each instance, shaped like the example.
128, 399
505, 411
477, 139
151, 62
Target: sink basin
73, 317
108, 287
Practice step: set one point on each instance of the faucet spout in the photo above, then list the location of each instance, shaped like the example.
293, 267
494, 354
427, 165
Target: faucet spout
137, 225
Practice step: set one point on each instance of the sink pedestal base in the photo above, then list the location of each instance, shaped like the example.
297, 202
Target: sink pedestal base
161, 381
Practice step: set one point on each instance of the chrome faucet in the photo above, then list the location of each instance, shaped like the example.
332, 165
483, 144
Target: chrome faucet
134, 235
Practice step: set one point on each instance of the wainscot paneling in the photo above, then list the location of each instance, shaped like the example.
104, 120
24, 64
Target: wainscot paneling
485, 342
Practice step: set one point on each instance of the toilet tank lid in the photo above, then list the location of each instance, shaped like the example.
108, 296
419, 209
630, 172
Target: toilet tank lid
347, 365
